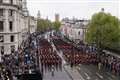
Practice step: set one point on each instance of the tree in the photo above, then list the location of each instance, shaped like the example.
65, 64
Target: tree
56, 25
103, 30
43, 24
49, 24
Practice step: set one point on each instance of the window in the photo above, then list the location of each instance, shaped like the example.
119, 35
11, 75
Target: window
12, 38
2, 38
79, 33
11, 1
1, 12
12, 48
2, 50
1, 1
11, 25
1, 26
10, 12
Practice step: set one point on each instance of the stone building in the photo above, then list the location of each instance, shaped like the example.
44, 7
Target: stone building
33, 24
74, 29
14, 24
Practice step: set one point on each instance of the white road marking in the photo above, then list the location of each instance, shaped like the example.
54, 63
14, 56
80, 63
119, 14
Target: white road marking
78, 67
81, 77
79, 64
88, 77
99, 75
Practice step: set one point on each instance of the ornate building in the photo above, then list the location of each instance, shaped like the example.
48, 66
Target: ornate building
74, 29
14, 24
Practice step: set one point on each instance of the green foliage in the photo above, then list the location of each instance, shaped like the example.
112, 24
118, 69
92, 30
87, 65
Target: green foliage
104, 30
43, 24
56, 25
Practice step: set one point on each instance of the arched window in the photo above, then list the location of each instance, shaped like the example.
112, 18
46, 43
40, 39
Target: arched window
1, 38
79, 33
11, 25
2, 50
1, 26
1, 1
12, 38
1, 12
11, 1
12, 48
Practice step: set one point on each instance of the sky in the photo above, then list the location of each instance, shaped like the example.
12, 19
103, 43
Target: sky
82, 9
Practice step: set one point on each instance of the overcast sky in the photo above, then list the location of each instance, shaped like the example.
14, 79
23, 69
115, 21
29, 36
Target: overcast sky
70, 8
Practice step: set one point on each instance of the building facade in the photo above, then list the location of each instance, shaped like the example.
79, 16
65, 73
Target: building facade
33, 24
14, 23
74, 29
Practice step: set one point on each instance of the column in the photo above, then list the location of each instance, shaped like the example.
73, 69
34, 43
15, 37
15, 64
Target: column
15, 22
6, 23
6, 30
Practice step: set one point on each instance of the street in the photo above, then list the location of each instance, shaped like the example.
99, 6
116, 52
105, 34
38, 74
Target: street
81, 71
